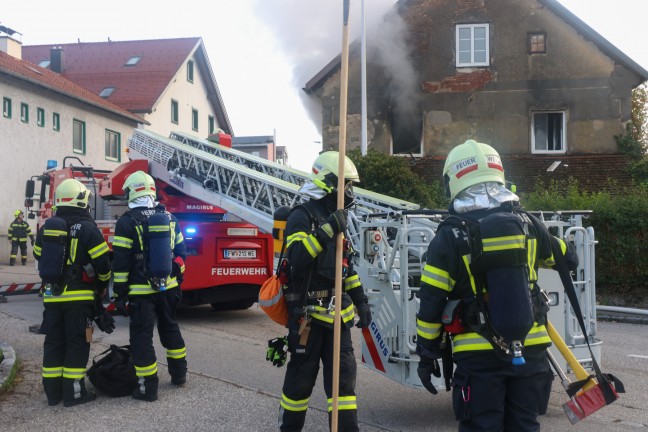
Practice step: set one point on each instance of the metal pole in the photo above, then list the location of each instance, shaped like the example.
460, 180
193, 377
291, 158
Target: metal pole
363, 83
337, 324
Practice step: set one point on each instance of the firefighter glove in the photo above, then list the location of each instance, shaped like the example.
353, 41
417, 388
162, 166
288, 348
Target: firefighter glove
122, 307
336, 223
105, 322
427, 368
364, 315
32, 240
178, 268
277, 351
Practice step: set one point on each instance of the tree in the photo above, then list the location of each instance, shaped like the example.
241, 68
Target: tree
640, 114
392, 175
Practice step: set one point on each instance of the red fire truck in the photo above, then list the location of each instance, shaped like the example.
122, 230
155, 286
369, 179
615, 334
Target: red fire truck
228, 259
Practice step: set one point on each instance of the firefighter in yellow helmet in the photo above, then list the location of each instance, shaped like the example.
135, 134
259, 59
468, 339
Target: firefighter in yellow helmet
142, 248
19, 230
501, 386
311, 231
70, 303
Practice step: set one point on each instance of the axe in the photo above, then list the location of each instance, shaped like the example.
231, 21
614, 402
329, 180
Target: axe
587, 395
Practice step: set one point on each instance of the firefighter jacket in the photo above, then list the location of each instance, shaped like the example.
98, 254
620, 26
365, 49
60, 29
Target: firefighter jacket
87, 253
447, 276
312, 261
129, 267
19, 230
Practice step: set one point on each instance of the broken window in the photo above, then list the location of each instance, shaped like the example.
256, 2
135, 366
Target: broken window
407, 132
548, 132
537, 43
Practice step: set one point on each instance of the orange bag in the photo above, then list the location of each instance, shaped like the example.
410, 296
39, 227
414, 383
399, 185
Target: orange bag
272, 300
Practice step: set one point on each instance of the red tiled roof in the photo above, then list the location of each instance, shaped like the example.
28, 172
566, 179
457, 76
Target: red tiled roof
39, 76
96, 65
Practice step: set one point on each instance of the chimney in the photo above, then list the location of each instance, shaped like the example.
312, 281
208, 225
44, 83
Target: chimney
57, 59
9, 43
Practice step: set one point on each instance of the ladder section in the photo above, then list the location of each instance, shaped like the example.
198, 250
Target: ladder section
248, 187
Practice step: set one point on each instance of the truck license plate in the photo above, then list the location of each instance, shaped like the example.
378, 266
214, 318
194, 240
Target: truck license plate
240, 253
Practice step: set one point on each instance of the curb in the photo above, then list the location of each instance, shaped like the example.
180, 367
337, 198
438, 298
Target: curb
8, 364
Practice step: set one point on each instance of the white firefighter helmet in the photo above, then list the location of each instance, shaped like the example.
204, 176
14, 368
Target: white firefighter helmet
71, 193
471, 163
139, 184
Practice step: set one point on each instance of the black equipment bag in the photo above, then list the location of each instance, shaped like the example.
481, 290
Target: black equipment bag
114, 372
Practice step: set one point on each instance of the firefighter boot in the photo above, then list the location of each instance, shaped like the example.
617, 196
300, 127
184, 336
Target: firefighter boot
147, 388
75, 393
12, 261
178, 370
53, 390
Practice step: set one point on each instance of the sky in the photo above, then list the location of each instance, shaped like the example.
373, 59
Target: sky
263, 52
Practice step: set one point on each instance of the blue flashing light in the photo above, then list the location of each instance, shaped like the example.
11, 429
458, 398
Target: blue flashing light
51, 164
190, 230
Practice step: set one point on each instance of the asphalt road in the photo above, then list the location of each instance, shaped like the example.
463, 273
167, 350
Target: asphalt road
232, 388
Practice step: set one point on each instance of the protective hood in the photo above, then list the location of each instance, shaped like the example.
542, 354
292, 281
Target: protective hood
482, 196
143, 201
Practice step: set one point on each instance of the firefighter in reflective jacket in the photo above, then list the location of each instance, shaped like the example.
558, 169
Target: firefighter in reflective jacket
490, 392
68, 314
138, 295
19, 230
311, 231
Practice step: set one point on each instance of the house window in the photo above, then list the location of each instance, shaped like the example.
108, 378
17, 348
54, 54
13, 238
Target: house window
211, 124
174, 111
548, 132
406, 134
113, 145
537, 43
78, 136
6, 107
472, 45
56, 121
44, 63
194, 119
190, 71
40, 117
106, 92
24, 112
133, 61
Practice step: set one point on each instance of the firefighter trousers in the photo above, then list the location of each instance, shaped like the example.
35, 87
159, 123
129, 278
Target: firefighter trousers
65, 351
491, 394
145, 309
301, 374
14, 252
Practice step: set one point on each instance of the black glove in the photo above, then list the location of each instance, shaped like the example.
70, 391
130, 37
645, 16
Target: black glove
336, 223
122, 307
277, 351
105, 322
178, 269
364, 315
32, 241
426, 368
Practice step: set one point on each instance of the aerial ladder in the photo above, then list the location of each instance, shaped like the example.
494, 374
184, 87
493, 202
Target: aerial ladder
390, 237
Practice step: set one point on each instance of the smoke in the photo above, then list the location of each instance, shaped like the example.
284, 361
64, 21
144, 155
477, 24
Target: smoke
309, 34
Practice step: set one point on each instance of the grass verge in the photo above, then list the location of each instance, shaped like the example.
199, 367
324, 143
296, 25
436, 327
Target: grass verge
11, 380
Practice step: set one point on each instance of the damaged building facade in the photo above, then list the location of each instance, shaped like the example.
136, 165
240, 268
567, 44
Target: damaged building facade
526, 76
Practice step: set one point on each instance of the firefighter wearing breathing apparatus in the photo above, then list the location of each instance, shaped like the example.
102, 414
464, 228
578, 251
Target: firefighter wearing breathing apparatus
19, 230
149, 253
311, 231
76, 256
479, 294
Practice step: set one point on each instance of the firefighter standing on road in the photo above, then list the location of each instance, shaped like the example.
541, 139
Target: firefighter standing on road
146, 299
311, 232
490, 392
70, 310
19, 230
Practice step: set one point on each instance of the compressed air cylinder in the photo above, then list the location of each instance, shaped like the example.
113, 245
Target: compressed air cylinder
280, 217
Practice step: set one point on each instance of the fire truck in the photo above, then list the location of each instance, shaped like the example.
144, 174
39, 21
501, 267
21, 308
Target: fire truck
390, 235
228, 258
